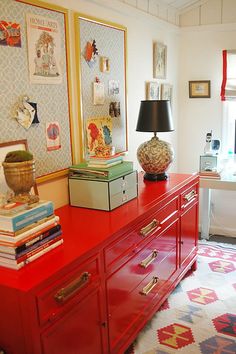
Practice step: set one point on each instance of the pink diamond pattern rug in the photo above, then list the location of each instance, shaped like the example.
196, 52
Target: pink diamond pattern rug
199, 317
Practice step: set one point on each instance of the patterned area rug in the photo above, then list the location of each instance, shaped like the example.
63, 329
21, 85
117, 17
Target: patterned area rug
199, 317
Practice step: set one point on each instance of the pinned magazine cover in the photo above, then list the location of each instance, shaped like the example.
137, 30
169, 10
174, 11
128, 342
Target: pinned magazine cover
10, 34
53, 136
44, 50
99, 135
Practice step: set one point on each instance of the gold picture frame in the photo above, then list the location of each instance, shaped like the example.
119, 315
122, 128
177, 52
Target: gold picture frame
97, 61
49, 165
200, 89
159, 60
153, 90
167, 92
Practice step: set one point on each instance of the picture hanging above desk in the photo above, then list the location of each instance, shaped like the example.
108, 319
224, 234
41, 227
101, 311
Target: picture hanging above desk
101, 76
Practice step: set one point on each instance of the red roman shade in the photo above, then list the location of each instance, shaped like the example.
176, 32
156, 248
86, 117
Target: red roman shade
228, 87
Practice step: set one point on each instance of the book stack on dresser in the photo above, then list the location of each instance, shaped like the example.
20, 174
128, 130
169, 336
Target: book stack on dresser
27, 232
105, 162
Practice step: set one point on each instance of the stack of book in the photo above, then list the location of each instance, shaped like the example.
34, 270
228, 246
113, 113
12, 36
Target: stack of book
104, 162
214, 174
27, 232
83, 170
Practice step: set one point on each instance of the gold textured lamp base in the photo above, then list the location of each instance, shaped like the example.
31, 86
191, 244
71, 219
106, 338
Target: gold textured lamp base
155, 157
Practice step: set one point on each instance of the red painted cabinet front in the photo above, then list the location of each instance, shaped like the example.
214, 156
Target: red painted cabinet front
188, 224
132, 288
94, 293
78, 331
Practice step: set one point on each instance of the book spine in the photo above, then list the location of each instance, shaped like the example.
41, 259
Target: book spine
51, 233
26, 228
30, 216
18, 266
107, 165
29, 234
31, 253
96, 161
38, 247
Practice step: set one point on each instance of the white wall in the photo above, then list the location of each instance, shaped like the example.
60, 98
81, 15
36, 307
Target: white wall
201, 59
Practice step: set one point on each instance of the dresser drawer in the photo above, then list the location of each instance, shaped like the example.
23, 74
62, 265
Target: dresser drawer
56, 298
120, 251
130, 290
189, 196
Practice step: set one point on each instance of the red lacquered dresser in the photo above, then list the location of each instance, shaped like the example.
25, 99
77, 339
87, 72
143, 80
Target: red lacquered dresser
95, 293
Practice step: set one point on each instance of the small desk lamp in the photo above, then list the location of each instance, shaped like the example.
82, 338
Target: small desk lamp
155, 155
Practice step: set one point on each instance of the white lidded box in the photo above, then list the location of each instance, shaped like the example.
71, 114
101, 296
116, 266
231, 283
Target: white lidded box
103, 194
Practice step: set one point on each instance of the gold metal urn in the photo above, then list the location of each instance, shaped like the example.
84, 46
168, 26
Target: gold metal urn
20, 177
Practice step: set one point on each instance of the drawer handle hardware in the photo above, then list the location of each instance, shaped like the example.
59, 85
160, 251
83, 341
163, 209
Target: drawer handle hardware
146, 290
190, 196
149, 228
151, 258
65, 293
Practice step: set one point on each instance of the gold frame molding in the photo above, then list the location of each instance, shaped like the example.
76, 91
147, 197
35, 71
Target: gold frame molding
65, 12
77, 18
200, 89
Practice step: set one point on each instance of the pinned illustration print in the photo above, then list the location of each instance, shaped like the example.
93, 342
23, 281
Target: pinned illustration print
44, 50
99, 135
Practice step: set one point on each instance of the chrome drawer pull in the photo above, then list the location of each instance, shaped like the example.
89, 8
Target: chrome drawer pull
191, 195
146, 290
149, 228
151, 258
65, 293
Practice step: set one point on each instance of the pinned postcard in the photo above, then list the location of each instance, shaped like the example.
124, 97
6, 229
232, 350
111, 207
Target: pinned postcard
53, 136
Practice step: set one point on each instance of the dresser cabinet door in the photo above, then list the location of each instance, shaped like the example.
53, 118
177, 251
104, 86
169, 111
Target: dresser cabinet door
79, 331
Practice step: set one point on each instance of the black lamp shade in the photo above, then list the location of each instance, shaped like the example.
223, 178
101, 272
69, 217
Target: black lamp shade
155, 116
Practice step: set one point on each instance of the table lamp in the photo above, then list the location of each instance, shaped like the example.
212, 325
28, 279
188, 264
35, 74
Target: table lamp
155, 155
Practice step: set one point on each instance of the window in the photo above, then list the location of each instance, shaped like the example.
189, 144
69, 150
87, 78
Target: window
228, 96
229, 127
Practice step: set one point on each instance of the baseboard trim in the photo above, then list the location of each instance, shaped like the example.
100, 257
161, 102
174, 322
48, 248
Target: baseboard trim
214, 230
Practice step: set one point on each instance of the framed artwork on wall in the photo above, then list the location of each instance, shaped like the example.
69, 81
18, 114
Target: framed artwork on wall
159, 60
166, 92
153, 89
98, 59
200, 89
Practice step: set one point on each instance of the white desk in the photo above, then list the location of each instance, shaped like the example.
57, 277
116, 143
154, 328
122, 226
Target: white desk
227, 182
